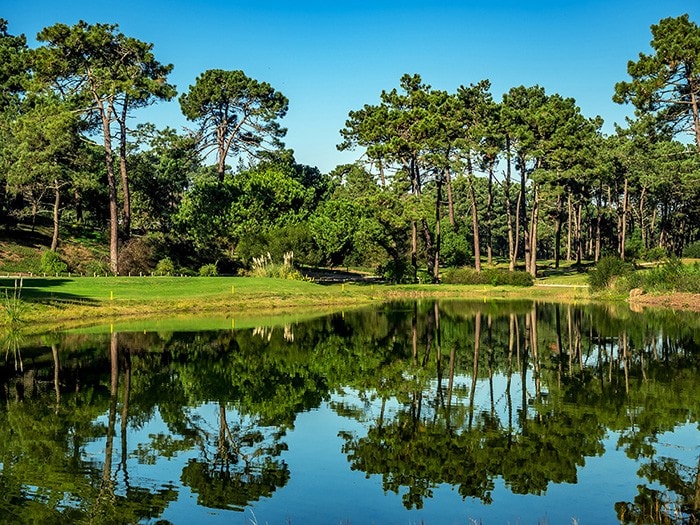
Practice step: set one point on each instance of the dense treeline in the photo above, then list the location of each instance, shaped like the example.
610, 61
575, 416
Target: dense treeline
443, 179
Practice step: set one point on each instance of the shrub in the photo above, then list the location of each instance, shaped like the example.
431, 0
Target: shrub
96, 267
692, 251
208, 270
137, 256
396, 271
51, 263
165, 267
606, 271
454, 250
654, 254
491, 276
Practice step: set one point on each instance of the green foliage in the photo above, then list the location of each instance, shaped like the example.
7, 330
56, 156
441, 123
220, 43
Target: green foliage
208, 270
489, 276
455, 250
397, 271
672, 276
165, 267
692, 251
654, 254
278, 240
96, 267
235, 112
662, 82
51, 263
606, 271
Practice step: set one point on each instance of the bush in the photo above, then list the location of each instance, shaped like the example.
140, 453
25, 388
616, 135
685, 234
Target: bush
51, 263
692, 251
396, 271
208, 270
96, 267
165, 267
654, 254
137, 256
454, 250
491, 276
606, 272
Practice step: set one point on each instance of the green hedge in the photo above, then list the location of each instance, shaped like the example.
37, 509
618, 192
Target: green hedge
490, 276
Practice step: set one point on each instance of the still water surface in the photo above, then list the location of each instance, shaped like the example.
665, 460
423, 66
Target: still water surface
426, 412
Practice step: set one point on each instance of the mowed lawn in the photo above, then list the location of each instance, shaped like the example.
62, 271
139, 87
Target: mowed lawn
147, 289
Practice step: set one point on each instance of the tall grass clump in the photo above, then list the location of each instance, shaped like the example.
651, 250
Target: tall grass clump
692, 251
13, 304
489, 276
264, 266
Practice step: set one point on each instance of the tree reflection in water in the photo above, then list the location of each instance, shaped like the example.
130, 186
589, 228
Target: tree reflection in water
471, 395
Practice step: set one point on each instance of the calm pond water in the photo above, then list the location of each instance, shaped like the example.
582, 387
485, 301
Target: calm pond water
427, 412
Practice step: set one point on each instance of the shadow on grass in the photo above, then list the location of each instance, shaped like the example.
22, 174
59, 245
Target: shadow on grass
548, 269
38, 290
335, 276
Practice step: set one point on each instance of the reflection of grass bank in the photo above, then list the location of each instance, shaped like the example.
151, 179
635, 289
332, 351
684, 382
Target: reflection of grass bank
87, 299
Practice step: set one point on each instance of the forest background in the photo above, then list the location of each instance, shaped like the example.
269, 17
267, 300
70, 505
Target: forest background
443, 178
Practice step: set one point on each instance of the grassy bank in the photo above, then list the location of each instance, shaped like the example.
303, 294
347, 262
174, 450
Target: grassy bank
63, 301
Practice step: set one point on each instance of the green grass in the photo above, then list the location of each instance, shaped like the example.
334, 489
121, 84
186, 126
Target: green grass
146, 289
67, 302
572, 279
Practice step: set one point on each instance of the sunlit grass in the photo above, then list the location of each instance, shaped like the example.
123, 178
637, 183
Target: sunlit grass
80, 300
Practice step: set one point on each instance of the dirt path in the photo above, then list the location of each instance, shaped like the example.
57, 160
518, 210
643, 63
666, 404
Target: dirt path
676, 301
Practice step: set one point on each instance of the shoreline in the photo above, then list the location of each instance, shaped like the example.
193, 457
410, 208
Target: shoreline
46, 313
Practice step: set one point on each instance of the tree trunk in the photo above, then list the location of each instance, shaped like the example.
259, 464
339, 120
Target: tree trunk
598, 220
523, 215
623, 235
78, 207
696, 114
475, 366
415, 189
557, 232
112, 184
429, 247
475, 224
414, 250
221, 150
645, 240
570, 213
533, 231
126, 194
436, 261
56, 214
512, 250
450, 202
579, 237
489, 206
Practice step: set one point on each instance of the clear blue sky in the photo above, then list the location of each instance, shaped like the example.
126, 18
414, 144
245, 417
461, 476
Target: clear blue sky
332, 57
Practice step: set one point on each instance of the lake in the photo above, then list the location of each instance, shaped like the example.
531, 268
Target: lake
435, 412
